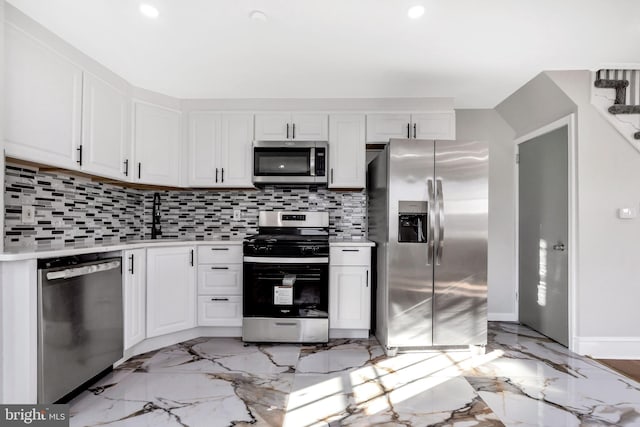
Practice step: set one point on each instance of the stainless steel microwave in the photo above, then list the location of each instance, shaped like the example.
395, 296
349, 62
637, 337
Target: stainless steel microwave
290, 162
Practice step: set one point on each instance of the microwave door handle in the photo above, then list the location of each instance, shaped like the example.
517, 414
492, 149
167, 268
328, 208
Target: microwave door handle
312, 162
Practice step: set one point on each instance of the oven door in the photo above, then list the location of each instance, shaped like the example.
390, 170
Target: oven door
286, 287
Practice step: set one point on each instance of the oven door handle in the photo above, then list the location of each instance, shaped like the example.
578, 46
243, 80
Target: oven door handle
279, 260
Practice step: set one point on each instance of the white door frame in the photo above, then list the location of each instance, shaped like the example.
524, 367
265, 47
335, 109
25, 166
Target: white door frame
572, 244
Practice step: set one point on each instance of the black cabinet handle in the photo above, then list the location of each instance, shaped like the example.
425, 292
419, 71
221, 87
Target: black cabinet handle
219, 249
139, 170
414, 131
293, 136
287, 130
126, 167
408, 130
351, 250
219, 268
79, 161
222, 175
131, 264
216, 174
191, 257
219, 299
367, 278
332, 175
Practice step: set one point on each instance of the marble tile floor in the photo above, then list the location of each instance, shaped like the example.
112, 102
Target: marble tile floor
524, 379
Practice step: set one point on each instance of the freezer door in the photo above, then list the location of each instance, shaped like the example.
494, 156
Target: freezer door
460, 272
410, 268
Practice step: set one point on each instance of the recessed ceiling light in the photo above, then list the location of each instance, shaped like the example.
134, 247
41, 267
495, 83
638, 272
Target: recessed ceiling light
416, 11
258, 15
149, 11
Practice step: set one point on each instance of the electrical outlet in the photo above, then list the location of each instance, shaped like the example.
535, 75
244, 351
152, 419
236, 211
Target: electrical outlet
236, 214
28, 214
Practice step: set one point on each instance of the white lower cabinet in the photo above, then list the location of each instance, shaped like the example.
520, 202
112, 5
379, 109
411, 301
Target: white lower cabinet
220, 310
220, 285
350, 288
134, 285
171, 290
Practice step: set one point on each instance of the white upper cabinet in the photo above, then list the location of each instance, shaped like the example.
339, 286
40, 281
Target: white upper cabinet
105, 138
309, 127
156, 144
291, 126
43, 99
236, 150
204, 143
220, 149
432, 125
347, 151
383, 127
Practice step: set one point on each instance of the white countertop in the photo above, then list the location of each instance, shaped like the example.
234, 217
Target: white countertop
20, 254
350, 241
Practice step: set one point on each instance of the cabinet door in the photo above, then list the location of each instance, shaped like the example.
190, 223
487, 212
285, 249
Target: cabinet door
434, 125
43, 98
273, 126
349, 298
219, 311
347, 151
309, 127
204, 141
135, 302
382, 127
104, 129
235, 150
170, 290
157, 144
220, 279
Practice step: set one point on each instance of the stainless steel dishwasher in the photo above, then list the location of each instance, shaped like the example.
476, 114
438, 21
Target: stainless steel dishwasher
80, 322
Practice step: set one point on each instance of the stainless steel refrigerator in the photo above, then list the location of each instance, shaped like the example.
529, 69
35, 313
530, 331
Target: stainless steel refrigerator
428, 214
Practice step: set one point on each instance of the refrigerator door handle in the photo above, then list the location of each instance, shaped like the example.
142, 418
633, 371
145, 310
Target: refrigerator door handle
430, 217
440, 246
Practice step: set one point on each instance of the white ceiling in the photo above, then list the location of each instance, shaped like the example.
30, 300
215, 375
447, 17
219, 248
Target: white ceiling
477, 51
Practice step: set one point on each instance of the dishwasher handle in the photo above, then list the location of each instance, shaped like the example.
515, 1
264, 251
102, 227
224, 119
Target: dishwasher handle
83, 270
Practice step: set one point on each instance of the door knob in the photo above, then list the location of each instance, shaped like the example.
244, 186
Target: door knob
558, 247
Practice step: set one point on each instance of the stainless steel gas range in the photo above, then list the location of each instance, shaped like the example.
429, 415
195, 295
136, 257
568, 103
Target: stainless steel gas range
286, 278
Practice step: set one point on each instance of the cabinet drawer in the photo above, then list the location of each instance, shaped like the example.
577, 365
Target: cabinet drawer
220, 279
219, 311
350, 255
220, 254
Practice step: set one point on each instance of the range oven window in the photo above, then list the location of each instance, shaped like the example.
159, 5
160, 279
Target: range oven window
286, 290
279, 162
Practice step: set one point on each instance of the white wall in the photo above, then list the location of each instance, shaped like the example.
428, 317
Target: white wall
608, 177
487, 125
609, 248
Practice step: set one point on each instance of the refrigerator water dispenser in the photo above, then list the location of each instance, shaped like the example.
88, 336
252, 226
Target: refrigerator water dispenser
412, 221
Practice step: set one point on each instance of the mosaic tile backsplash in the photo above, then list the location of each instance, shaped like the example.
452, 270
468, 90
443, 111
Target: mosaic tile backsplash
209, 214
72, 209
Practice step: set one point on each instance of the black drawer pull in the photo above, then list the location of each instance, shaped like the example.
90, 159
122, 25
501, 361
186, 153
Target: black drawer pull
219, 268
219, 299
219, 249
351, 250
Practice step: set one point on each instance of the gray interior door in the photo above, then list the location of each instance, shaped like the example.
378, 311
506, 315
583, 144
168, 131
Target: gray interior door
543, 234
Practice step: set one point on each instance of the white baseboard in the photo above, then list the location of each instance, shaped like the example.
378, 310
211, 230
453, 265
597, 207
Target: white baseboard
348, 333
502, 317
608, 347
